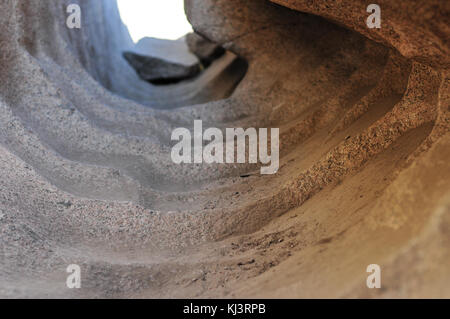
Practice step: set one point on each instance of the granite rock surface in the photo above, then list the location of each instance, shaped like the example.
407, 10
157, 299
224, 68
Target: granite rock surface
86, 175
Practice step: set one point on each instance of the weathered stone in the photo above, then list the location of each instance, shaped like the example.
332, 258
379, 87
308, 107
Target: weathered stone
204, 49
364, 143
418, 29
159, 71
176, 51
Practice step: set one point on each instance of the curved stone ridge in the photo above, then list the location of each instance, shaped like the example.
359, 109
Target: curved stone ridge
86, 175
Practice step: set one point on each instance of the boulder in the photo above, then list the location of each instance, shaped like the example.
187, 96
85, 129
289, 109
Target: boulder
159, 71
206, 50
176, 51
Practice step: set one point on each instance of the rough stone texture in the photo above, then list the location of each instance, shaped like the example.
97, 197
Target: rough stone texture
86, 176
159, 71
204, 49
418, 29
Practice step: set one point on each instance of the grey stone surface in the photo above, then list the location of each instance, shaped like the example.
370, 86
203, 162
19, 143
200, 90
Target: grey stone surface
160, 71
176, 51
204, 49
86, 176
